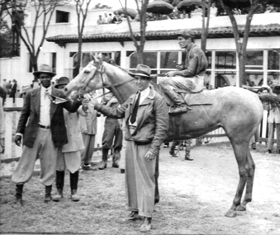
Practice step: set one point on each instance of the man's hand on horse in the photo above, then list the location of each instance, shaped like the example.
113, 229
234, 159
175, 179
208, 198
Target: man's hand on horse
150, 156
171, 74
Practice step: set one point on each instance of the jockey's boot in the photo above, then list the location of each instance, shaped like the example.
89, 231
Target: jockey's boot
180, 106
74, 178
104, 159
116, 158
48, 196
19, 188
59, 186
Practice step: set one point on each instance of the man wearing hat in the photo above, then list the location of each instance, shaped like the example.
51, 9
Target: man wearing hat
146, 123
41, 124
69, 155
190, 78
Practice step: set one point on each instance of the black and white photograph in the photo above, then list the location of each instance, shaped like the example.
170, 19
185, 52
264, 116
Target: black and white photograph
140, 117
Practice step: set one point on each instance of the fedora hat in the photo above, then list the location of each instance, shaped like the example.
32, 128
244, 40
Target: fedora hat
44, 68
142, 70
61, 81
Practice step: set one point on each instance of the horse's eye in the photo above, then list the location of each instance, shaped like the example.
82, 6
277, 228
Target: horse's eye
86, 72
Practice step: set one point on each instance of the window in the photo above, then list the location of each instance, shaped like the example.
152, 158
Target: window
254, 60
225, 60
62, 17
53, 55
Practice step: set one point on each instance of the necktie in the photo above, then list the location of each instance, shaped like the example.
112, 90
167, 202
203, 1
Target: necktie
135, 109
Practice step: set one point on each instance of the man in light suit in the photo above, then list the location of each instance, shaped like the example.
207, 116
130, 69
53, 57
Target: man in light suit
42, 127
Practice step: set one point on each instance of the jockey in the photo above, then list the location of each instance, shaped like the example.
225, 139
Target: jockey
190, 78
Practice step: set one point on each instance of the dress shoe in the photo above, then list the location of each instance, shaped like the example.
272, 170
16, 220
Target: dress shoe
188, 158
147, 225
269, 151
103, 165
74, 196
58, 197
134, 216
87, 167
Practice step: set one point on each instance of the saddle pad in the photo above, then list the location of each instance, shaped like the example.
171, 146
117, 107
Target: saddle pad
201, 98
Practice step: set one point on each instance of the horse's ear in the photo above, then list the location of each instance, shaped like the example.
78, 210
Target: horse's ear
92, 56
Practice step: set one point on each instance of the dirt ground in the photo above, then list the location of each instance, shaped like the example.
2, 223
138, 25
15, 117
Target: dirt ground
194, 198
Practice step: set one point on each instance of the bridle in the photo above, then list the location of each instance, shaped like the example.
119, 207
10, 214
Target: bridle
110, 86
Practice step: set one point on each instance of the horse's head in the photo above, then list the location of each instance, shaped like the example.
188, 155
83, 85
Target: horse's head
90, 77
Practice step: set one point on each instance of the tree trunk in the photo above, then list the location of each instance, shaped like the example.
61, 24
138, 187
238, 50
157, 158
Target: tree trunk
242, 73
79, 54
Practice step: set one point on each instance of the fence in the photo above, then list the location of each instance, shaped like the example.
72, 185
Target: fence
12, 152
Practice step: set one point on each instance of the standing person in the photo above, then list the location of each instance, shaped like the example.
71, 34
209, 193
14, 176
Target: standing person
9, 87
274, 122
100, 20
69, 155
2, 128
112, 133
146, 123
179, 144
190, 78
106, 19
88, 124
42, 126
14, 90
3, 94
110, 18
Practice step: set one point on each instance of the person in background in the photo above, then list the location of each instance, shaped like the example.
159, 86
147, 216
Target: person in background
9, 87
110, 18
112, 134
69, 155
100, 20
274, 122
2, 127
14, 90
146, 123
88, 124
180, 144
106, 19
3, 94
42, 127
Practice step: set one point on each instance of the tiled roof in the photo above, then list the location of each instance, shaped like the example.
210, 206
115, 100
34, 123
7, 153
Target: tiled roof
255, 31
220, 27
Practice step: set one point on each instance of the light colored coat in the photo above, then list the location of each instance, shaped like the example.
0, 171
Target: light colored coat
88, 121
74, 135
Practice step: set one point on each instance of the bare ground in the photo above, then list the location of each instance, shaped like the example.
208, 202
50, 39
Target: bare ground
194, 198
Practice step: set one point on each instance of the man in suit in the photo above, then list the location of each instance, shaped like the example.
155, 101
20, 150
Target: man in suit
42, 127
14, 90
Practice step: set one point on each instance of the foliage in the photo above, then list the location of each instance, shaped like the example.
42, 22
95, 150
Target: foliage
142, 15
33, 39
82, 7
6, 44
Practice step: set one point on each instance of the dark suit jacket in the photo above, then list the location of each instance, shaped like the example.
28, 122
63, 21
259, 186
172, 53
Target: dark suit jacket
30, 117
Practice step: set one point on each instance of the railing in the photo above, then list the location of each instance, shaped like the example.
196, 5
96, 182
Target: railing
12, 152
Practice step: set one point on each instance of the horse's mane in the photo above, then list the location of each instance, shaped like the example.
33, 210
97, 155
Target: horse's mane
117, 66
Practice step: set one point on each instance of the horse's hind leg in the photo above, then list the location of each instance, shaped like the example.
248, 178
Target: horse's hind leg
250, 167
240, 150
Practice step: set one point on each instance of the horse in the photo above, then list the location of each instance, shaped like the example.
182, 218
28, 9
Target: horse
238, 111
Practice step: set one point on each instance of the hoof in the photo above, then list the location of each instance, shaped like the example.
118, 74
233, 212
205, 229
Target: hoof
241, 208
230, 214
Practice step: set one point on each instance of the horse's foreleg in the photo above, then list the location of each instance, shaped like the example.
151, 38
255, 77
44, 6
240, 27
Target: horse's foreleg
240, 151
250, 166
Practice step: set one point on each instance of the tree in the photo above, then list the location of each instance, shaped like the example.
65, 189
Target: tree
44, 10
82, 11
241, 39
141, 11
